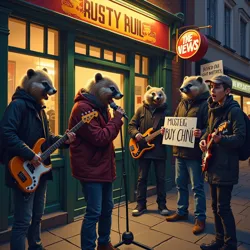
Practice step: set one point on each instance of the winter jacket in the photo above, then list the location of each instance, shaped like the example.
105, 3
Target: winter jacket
23, 123
193, 108
92, 154
223, 167
144, 119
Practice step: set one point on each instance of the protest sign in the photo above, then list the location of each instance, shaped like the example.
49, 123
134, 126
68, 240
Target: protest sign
208, 70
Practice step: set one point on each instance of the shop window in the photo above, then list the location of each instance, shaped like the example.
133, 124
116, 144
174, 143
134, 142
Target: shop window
144, 65
137, 64
211, 17
246, 105
53, 42
80, 48
140, 89
17, 36
237, 98
141, 65
108, 55
36, 38
94, 51
120, 58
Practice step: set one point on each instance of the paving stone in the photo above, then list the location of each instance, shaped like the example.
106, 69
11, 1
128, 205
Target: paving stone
244, 247
243, 235
244, 223
246, 211
62, 245
206, 239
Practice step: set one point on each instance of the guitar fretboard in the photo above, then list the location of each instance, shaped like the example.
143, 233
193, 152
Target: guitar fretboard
153, 135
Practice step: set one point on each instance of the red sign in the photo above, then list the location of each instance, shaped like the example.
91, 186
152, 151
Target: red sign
191, 45
109, 15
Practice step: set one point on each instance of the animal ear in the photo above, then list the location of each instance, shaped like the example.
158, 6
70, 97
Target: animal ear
162, 89
98, 77
148, 87
44, 69
30, 73
199, 79
185, 78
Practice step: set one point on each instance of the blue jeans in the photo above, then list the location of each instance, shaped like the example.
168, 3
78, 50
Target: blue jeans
99, 198
27, 218
185, 169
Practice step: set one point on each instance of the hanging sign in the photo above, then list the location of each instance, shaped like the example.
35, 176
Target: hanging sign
112, 16
191, 45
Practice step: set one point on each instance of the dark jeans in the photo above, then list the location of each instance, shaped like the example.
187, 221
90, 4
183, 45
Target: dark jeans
144, 166
223, 217
27, 218
99, 198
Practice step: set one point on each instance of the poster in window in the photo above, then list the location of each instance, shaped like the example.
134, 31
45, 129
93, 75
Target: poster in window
11, 79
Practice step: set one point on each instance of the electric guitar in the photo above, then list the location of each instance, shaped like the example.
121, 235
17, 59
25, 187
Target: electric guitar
26, 175
210, 140
138, 148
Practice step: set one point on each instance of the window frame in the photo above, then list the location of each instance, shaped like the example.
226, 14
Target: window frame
212, 5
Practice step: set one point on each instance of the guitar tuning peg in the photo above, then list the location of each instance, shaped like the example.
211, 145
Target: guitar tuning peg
81, 114
88, 111
93, 110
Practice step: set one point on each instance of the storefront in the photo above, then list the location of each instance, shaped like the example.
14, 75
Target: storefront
74, 40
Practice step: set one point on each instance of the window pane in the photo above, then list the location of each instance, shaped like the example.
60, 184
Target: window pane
144, 65
18, 66
243, 37
94, 51
211, 17
36, 38
237, 98
17, 36
80, 48
53, 42
137, 64
108, 55
246, 105
120, 58
140, 89
227, 25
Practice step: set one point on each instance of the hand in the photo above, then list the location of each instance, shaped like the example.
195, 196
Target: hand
138, 137
118, 112
216, 138
203, 145
162, 130
71, 137
197, 133
36, 161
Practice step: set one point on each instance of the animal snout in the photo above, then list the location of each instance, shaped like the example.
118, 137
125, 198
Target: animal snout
184, 90
52, 91
158, 98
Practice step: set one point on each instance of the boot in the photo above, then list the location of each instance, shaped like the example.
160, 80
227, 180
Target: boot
199, 226
139, 209
176, 217
214, 245
109, 246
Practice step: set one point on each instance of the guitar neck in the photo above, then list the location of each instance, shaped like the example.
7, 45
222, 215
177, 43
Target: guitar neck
153, 135
212, 139
59, 142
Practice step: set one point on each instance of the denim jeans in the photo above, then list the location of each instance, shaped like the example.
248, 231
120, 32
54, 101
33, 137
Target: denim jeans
223, 217
186, 169
27, 217
144, 166
99, 198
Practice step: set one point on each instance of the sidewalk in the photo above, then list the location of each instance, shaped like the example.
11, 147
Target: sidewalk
152, 230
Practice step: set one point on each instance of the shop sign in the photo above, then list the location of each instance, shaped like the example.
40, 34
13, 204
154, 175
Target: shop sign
208, 70
241, 86
112, 16
191, 45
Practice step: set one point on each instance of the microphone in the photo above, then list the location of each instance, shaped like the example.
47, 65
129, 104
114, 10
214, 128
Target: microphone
114, 107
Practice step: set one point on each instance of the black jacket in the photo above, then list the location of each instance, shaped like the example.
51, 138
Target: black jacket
193, 108
223, 167
23, 123
144, 119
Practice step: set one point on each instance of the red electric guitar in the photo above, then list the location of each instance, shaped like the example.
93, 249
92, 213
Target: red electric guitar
208, 153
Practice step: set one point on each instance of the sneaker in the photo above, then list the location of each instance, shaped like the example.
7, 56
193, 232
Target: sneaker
199, 226
164, 210
140, 209
176, 217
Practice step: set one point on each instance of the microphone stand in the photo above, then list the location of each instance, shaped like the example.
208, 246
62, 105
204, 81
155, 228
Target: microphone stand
127, 236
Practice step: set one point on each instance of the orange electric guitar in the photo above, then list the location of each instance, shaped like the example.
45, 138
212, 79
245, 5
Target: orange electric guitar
208, 153
26, 175
138, 148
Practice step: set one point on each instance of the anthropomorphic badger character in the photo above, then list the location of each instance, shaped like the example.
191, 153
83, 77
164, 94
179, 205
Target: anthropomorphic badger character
92, 157
194, 94
23, 123
150, 115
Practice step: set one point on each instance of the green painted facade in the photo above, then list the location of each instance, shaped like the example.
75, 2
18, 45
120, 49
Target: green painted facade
64, 193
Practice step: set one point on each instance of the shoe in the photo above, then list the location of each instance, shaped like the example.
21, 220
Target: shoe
107, 247
176, 217
199, 226
214, 245
164, 210
140, 209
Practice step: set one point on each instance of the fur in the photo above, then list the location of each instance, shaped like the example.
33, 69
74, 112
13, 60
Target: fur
155, 96
38, 84
192, 87
104, 89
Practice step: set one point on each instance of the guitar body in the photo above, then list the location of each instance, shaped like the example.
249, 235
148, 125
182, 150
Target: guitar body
207, 156
138, 148
26, 175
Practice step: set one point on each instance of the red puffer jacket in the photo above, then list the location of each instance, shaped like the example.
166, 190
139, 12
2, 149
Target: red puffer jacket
92, 155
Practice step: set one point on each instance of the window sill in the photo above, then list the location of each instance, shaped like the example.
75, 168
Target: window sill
228, 48
213, 39
245, 58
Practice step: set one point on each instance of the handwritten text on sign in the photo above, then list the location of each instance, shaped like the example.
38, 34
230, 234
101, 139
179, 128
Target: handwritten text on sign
179, 131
